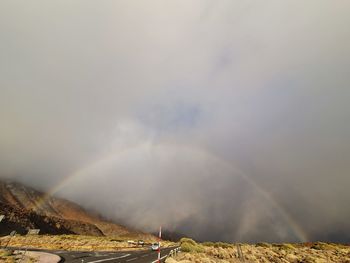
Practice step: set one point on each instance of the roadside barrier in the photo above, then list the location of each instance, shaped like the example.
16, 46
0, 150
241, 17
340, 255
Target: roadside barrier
174, 252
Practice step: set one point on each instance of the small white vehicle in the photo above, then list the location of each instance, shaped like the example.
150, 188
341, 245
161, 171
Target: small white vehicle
155, 246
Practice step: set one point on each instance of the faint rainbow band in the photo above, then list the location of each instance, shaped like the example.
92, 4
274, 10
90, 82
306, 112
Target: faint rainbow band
294, 226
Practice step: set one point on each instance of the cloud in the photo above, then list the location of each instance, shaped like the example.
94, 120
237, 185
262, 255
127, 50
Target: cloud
224, 121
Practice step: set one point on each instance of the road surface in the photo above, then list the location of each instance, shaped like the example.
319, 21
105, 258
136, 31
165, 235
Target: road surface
135, 256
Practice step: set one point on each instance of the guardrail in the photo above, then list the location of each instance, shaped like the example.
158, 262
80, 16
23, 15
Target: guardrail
174, 252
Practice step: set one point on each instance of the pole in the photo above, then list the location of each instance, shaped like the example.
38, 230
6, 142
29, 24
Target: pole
31, 233
11, 235
159, 238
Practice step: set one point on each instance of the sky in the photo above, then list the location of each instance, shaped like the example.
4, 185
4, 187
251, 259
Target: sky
219, 120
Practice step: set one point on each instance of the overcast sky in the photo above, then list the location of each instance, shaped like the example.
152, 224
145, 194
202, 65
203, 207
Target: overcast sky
223, 120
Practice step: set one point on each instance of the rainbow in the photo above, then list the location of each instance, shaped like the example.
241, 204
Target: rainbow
112, 157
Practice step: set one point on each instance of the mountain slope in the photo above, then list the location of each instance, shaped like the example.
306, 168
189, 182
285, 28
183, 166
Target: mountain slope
25, 207
21, 220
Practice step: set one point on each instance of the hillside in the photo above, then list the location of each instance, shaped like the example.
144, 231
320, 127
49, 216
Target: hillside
20, 219
25, 207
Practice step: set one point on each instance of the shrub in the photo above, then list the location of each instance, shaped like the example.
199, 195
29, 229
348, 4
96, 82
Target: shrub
322, 246
189, 245
284, 246
223, 245
263, 244
6, 253
287, 246
188, 240
218, 244
208, 244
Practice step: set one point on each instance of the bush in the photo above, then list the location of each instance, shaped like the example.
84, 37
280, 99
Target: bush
263, 244
284, 246
6, 253
323, 246
287, 246
223, 245
208, 244
189, 245
218, 244
188, 240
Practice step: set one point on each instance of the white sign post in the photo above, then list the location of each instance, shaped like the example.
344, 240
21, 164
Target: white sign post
11, 235
159, 238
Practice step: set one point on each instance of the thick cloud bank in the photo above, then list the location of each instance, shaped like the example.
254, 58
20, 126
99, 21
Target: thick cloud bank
223, 120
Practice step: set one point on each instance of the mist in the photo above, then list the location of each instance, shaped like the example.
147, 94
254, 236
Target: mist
220, 120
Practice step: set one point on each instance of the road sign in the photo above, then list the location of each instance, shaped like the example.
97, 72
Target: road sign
33, 231
1, 217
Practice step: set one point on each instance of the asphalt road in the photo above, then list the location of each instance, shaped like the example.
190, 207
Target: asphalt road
139, 256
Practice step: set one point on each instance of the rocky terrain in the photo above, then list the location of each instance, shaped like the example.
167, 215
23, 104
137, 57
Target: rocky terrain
278, 253
21, 220
25, 207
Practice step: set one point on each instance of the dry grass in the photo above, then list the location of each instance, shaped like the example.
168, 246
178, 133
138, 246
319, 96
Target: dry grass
9, 256
76, 242
6, 256
265, 253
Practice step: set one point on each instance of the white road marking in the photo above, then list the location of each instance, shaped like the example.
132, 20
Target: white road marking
160, 259
108, 259
131, 259
146, 255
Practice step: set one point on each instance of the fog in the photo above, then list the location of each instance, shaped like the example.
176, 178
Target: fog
220, 120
